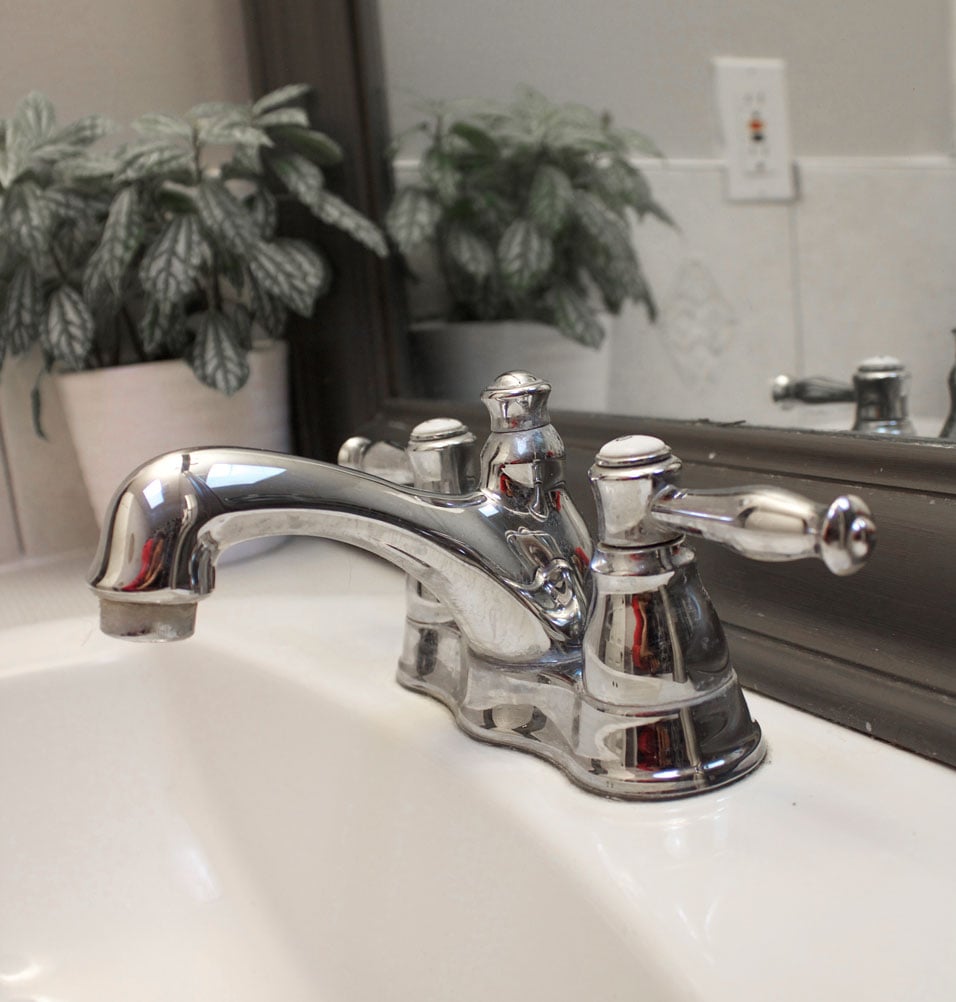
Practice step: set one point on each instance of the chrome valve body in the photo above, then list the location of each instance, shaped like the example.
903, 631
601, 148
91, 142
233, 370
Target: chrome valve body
607, 660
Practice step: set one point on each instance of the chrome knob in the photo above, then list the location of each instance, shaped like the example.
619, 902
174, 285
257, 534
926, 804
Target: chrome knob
517, 401
441, 452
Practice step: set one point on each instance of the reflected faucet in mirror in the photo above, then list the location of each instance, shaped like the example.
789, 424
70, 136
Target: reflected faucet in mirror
880, 390
608, 659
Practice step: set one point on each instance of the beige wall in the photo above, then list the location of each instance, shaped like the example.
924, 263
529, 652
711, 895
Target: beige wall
121, 58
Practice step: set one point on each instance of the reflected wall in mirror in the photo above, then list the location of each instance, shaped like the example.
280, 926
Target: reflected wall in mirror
859, 263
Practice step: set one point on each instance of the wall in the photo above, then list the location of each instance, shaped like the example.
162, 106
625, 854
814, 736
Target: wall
861, 263
122, 59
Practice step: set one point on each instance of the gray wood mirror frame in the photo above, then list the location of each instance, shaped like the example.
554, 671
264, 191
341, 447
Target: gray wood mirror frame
876, 652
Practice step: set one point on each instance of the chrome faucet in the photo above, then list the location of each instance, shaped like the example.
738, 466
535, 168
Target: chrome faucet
607, 660
880, 390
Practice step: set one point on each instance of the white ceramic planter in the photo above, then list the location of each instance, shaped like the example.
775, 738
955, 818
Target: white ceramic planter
456, 361
121, 417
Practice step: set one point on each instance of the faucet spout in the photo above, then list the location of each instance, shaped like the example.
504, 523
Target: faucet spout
511, 586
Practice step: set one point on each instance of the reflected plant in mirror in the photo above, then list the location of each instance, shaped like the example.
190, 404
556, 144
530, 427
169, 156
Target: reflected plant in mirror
166, 246
529, 209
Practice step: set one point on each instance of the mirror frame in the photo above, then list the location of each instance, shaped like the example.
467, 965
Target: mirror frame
874, 652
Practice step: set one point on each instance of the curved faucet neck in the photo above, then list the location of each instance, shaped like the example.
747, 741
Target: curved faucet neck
517, 586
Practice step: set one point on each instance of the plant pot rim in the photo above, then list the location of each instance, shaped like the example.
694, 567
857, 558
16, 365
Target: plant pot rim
258, 347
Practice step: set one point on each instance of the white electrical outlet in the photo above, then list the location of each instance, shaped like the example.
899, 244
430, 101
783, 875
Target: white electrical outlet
752, 102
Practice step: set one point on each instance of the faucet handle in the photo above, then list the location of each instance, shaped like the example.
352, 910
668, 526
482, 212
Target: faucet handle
640, 505
440, 457
880, 390
380, 459
787, 390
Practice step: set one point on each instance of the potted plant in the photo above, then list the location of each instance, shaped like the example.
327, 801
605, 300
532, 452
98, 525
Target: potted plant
162, 250
527, 209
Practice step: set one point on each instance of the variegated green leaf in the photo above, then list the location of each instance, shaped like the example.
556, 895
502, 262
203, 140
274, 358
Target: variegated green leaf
333, 210
122, 236
174, 261
210, 109
480, 140
241, 319
282, 116
264, 209
279, 97
300, 176
412, 218
96, 287
20, 321
268, 312
245, 163
227, 130
217, 356
9, 167
317, 146
84, 131
87, 167
32, 122
225, 218
549, 198
161, 326
470, 252
601, 224
29, 220
573, 316
159, 124
66, 204
68, 331
524, 255
159, 158
440, 172
290, 271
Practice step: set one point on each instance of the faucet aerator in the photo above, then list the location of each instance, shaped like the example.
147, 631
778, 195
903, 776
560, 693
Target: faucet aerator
147, 621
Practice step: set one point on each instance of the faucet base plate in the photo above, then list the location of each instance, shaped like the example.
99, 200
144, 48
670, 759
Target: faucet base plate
613, 751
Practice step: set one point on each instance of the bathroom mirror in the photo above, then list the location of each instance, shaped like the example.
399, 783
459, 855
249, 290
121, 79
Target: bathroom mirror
858, 262
873, 652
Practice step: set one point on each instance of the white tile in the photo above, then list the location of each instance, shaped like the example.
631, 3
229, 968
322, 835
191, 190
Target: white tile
877, 263
723, 285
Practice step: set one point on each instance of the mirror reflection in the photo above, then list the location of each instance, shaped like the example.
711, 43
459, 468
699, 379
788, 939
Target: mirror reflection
796, 237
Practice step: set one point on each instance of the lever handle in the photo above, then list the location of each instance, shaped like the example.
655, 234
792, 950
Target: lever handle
440, 456
787, 390
768, 523
381, 459
641, 505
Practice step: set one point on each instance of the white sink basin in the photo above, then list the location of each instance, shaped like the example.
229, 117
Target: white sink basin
261, 813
